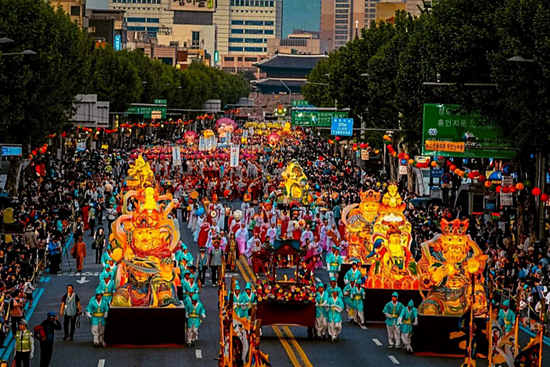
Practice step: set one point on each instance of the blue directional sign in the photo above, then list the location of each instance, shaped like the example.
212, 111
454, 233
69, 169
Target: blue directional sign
11, 150
118, 42
341, 126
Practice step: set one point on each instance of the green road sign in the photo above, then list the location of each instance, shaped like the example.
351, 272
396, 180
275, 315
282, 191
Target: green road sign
147, 111
446, 132
315, 118
302, 103
161, 101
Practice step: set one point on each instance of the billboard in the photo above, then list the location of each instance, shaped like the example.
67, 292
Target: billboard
194, 5
386, 11
447, 132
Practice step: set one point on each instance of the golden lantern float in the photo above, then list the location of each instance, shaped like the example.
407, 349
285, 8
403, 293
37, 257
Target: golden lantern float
294, 185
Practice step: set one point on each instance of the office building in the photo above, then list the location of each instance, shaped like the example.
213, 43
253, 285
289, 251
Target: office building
342, 20
108, 26
243, 28
75, 8
298, 42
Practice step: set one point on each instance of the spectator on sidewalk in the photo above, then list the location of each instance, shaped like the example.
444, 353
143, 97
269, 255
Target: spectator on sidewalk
54, 251
71, 308
99, 244
16, 310
46, 346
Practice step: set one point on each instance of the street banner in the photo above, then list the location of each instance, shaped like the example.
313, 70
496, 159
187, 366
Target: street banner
364, 155
402, 170
228, 137
208, 144
202, 145
234, 159
81, 146
506, 199
245, 134
176, 156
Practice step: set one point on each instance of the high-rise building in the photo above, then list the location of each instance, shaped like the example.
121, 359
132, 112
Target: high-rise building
342, 20
145, 19
242, 30
75, 8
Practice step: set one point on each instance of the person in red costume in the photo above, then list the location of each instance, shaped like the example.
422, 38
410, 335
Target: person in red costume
203, 234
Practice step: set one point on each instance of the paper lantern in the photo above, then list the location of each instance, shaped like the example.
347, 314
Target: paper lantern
513, 189
505, 189
544, 197
401, 155
377, 151
457, 171
411, 161
465, 174
452, 167
433, 164
337, 138
536, 191
519, 186
499, 188
527, 183
488, 184
406, 156
390, 147
471, 175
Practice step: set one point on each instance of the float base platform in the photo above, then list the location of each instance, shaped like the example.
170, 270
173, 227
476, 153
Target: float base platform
376, 299
290, 313
432, 336
145, 326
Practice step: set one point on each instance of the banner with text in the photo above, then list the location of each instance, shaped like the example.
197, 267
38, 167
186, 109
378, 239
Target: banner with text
234, 158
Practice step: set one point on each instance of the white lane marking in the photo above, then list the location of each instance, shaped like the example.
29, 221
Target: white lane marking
393, 359
318, 280
377, 342
198, 353
101, 363
87, 274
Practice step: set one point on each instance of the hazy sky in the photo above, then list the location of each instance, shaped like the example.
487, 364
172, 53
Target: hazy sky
297, 14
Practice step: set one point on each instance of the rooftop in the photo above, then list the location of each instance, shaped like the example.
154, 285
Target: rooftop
291, 61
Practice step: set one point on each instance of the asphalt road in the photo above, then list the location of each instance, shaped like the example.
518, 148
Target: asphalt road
356, 346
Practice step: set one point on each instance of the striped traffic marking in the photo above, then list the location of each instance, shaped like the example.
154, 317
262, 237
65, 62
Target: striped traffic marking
198, 353
393, 359
101, 363
377, 342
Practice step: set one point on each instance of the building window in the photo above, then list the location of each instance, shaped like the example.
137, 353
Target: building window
153, 20
253, 49
253, 31
227, 58
341, 32
341, 16
75, 11
253, 40
237, 31
341, 27
341, 11
269, 22
341, 37
342, 5
136, 28
235, 40
136, 20
237, 22
235, 49
152, 29
195, 39
251, 59
268, 31
256, 22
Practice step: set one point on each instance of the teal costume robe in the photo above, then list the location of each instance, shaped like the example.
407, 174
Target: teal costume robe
334, 263
506, 320
347, 295
107, 290
320, 300
246, 302
330, 290
394, 311
407, 318
353, 274
334, 307
195, 314
98, 311
357, 296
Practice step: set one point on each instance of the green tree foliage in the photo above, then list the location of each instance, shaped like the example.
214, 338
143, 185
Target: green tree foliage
37, 91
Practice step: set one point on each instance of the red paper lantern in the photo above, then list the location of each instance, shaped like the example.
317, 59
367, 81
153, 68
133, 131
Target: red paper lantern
544, 197
505, 189
337, 138
34, 152
536, 191
482, 178
406, 157
390, 147
401, 155
513, 189
520, 186
449, 163
471, 175
499, 188
452, 167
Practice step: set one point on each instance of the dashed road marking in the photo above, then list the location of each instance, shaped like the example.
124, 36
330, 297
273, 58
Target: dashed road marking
393, 359
363, 327
101, 363
377, 342
198, 353
318, 280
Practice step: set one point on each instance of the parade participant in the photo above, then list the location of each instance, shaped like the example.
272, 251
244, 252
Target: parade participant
392, 310
353, 273
236, 300
506, 317
79, 253
347, 299
107, 288
186, 275
271, 234
70, 309
357, 307
24, 345
190, 288
232, 248
98, 310
46, 346
242, 238
202, 265
106, 256
247, 300
334, 262
194, 311
333, 286
307, 234
334, 306
323, 234
110, 269
321, 312
255, 256
407, 319
204, 233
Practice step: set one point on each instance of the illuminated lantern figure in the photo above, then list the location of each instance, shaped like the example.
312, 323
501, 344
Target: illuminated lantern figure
143, 243
447, 265
295, 185
391, 201
359, 219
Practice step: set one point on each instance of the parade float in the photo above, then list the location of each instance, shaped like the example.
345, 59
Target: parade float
379, 237
143, 240
294, 186
451, 270
285, 296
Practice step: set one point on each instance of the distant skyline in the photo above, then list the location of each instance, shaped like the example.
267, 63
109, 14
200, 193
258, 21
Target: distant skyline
297, 14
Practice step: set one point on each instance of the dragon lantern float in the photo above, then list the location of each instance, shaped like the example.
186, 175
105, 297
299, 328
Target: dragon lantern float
143, 241
449, 263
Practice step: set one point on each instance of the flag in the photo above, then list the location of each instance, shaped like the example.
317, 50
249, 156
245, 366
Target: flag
503, 350
529, 356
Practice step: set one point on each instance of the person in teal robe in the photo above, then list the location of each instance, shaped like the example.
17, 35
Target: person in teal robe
97, 311
334, 262
107, 288
506, 317
190, 288
392, 310
194, 311
353, 273
247, 300
320, 311
332, 286
347, 299
334, 306
356, 302
407, 319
